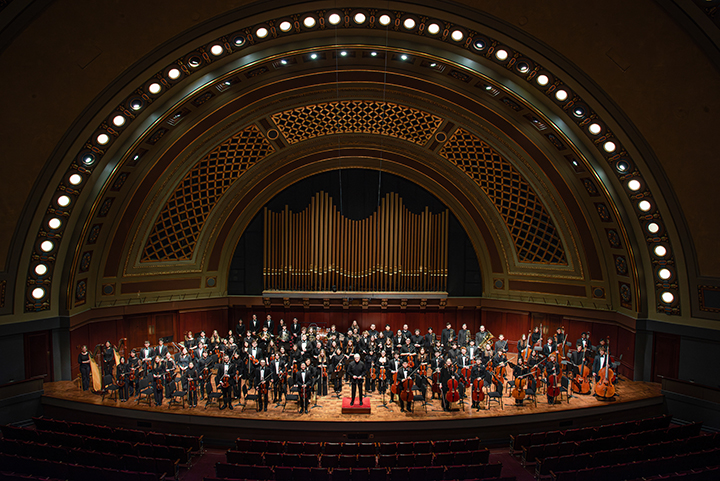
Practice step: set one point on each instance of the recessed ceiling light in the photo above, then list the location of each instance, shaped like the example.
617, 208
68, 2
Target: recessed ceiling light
634, 185
41, 269
542, 79
359, 18
644, 205
88, 159
261, 32
334, 18
217, 50
313, 56
76, 179
174, 73
578, 112
373, 54
343, 53
38, 293
309, 21
285, 26
239, 41
478, 45
154, 88
136, 104
54, 223
501, 54
660, 251
561, 95
653, 228
403, 57
594, 129
47, 246
63, 201
385, 19
664, 274
433, 29
283, 61
409, 23
609, 146
523, 67
118, 121
433, 64
667, 297
103, 139
457, 35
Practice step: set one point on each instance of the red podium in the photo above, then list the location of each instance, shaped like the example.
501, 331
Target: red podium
356, 408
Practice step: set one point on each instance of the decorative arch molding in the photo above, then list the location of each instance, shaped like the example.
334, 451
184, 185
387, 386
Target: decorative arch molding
619, 211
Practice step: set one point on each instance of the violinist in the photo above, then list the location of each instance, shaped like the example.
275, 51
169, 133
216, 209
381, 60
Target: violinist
202, 338
182, 359
336, 365
403, 374
190, 341
198, 352
383, 366
240, 373
214, 340
407, 351
395, 366
487, 353
453, 352
277, 366
536, 336
161, 349
304, 381
169, 375
304, 346
134, 365
158, 373
389, 348
263, 375
190, 377
254, 356
356, 371
552, 371
478, 372
369, 360
146, 356
448, 372
418, 340
122, 371
205, 365
225, 379
84, 361
463, 360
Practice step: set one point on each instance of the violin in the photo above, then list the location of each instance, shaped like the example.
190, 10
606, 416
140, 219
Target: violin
382, 375
204, 374
466, 374
478, 395
553, 388
452, 394
423, 370
262, 388
158, 383
191, 384
373, 372
225, 381
304, 391
604, 387
121, 381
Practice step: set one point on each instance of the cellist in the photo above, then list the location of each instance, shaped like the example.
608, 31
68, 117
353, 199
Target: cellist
552, 370
436, 366
478, 372
448, 372
402, 375
520, 370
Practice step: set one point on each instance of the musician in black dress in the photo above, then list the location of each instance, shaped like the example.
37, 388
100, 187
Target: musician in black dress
225, 379
158, 376
263, 376
134, 369
108, 358
204, 367
169, 375
190, 379
121, 375
356, 372
84, 361
304, 381
336, 365
323, 364
478, 372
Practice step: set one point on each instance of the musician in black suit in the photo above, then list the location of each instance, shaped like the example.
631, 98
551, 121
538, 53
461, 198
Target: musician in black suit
429, 341
161, 349
464, 336
204, 367
356, 370
501, 344
304, 381
269, 324
190, 378
122, 370
226, 371
277, 366
255, 325
448, 335
147, 354
263, 376
601, 361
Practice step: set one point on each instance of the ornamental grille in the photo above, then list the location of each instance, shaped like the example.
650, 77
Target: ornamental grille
179, 224
357, 117
533, 232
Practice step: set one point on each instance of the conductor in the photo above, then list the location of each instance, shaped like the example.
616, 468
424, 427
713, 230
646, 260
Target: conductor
356, 372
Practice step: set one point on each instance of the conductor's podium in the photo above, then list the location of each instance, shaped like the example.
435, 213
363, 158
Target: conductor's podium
357, 408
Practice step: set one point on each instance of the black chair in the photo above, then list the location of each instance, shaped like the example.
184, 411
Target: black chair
177, 394
145, 391
292, 396
109, 387
250, 397
495, 396
213, 397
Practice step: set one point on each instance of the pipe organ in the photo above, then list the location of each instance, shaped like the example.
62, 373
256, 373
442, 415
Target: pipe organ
319, 249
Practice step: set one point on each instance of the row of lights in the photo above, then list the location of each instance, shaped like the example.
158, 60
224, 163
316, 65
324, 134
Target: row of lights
194, 60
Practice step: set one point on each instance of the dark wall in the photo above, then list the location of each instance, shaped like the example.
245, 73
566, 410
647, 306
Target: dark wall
356, 193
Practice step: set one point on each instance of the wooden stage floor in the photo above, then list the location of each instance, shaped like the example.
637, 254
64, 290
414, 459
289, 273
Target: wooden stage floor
633, 399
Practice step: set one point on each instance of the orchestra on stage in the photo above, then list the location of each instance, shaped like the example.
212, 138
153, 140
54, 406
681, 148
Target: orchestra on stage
271, 364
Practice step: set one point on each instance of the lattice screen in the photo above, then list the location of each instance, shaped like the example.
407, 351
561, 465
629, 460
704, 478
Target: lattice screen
533, 232
357, 116
180, 222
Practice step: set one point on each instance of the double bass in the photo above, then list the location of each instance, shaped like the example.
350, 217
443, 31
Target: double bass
604, 387
581, 382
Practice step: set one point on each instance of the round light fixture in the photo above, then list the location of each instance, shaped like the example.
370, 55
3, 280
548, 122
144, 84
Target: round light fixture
261, 32
359, 18
433, 29
523, 67
136, 104
154, 88
501, 54
653, 227
385, 19
479, 45
561, 95
644, 205
343, 53
660, 251
409, 23
594, 129
313, 56
285, 26
457, 35
38, 293
622, 166
334, 19
309, 21
47, 246
118, 121
667, 297
54, 223
609, 146
41, 269
579, 112
542, 79
103, 139
174, 73
63, 201
75, 179
217, 50
664, 274
634, 185
239, 41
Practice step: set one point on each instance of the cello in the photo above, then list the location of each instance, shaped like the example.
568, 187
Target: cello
553, 388
518, 390
478, 395
604, 387
452, 395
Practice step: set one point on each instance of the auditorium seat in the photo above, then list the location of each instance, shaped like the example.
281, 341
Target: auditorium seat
366, 461
311, 447
422, 447
399, 474
319, 474
456, 472
330, 461
332, 448
441, 446
387, 448
423, 459
347, 461
340, 474
284, 473
270, 458
273, 447
387, 461
292, 447
367, 449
